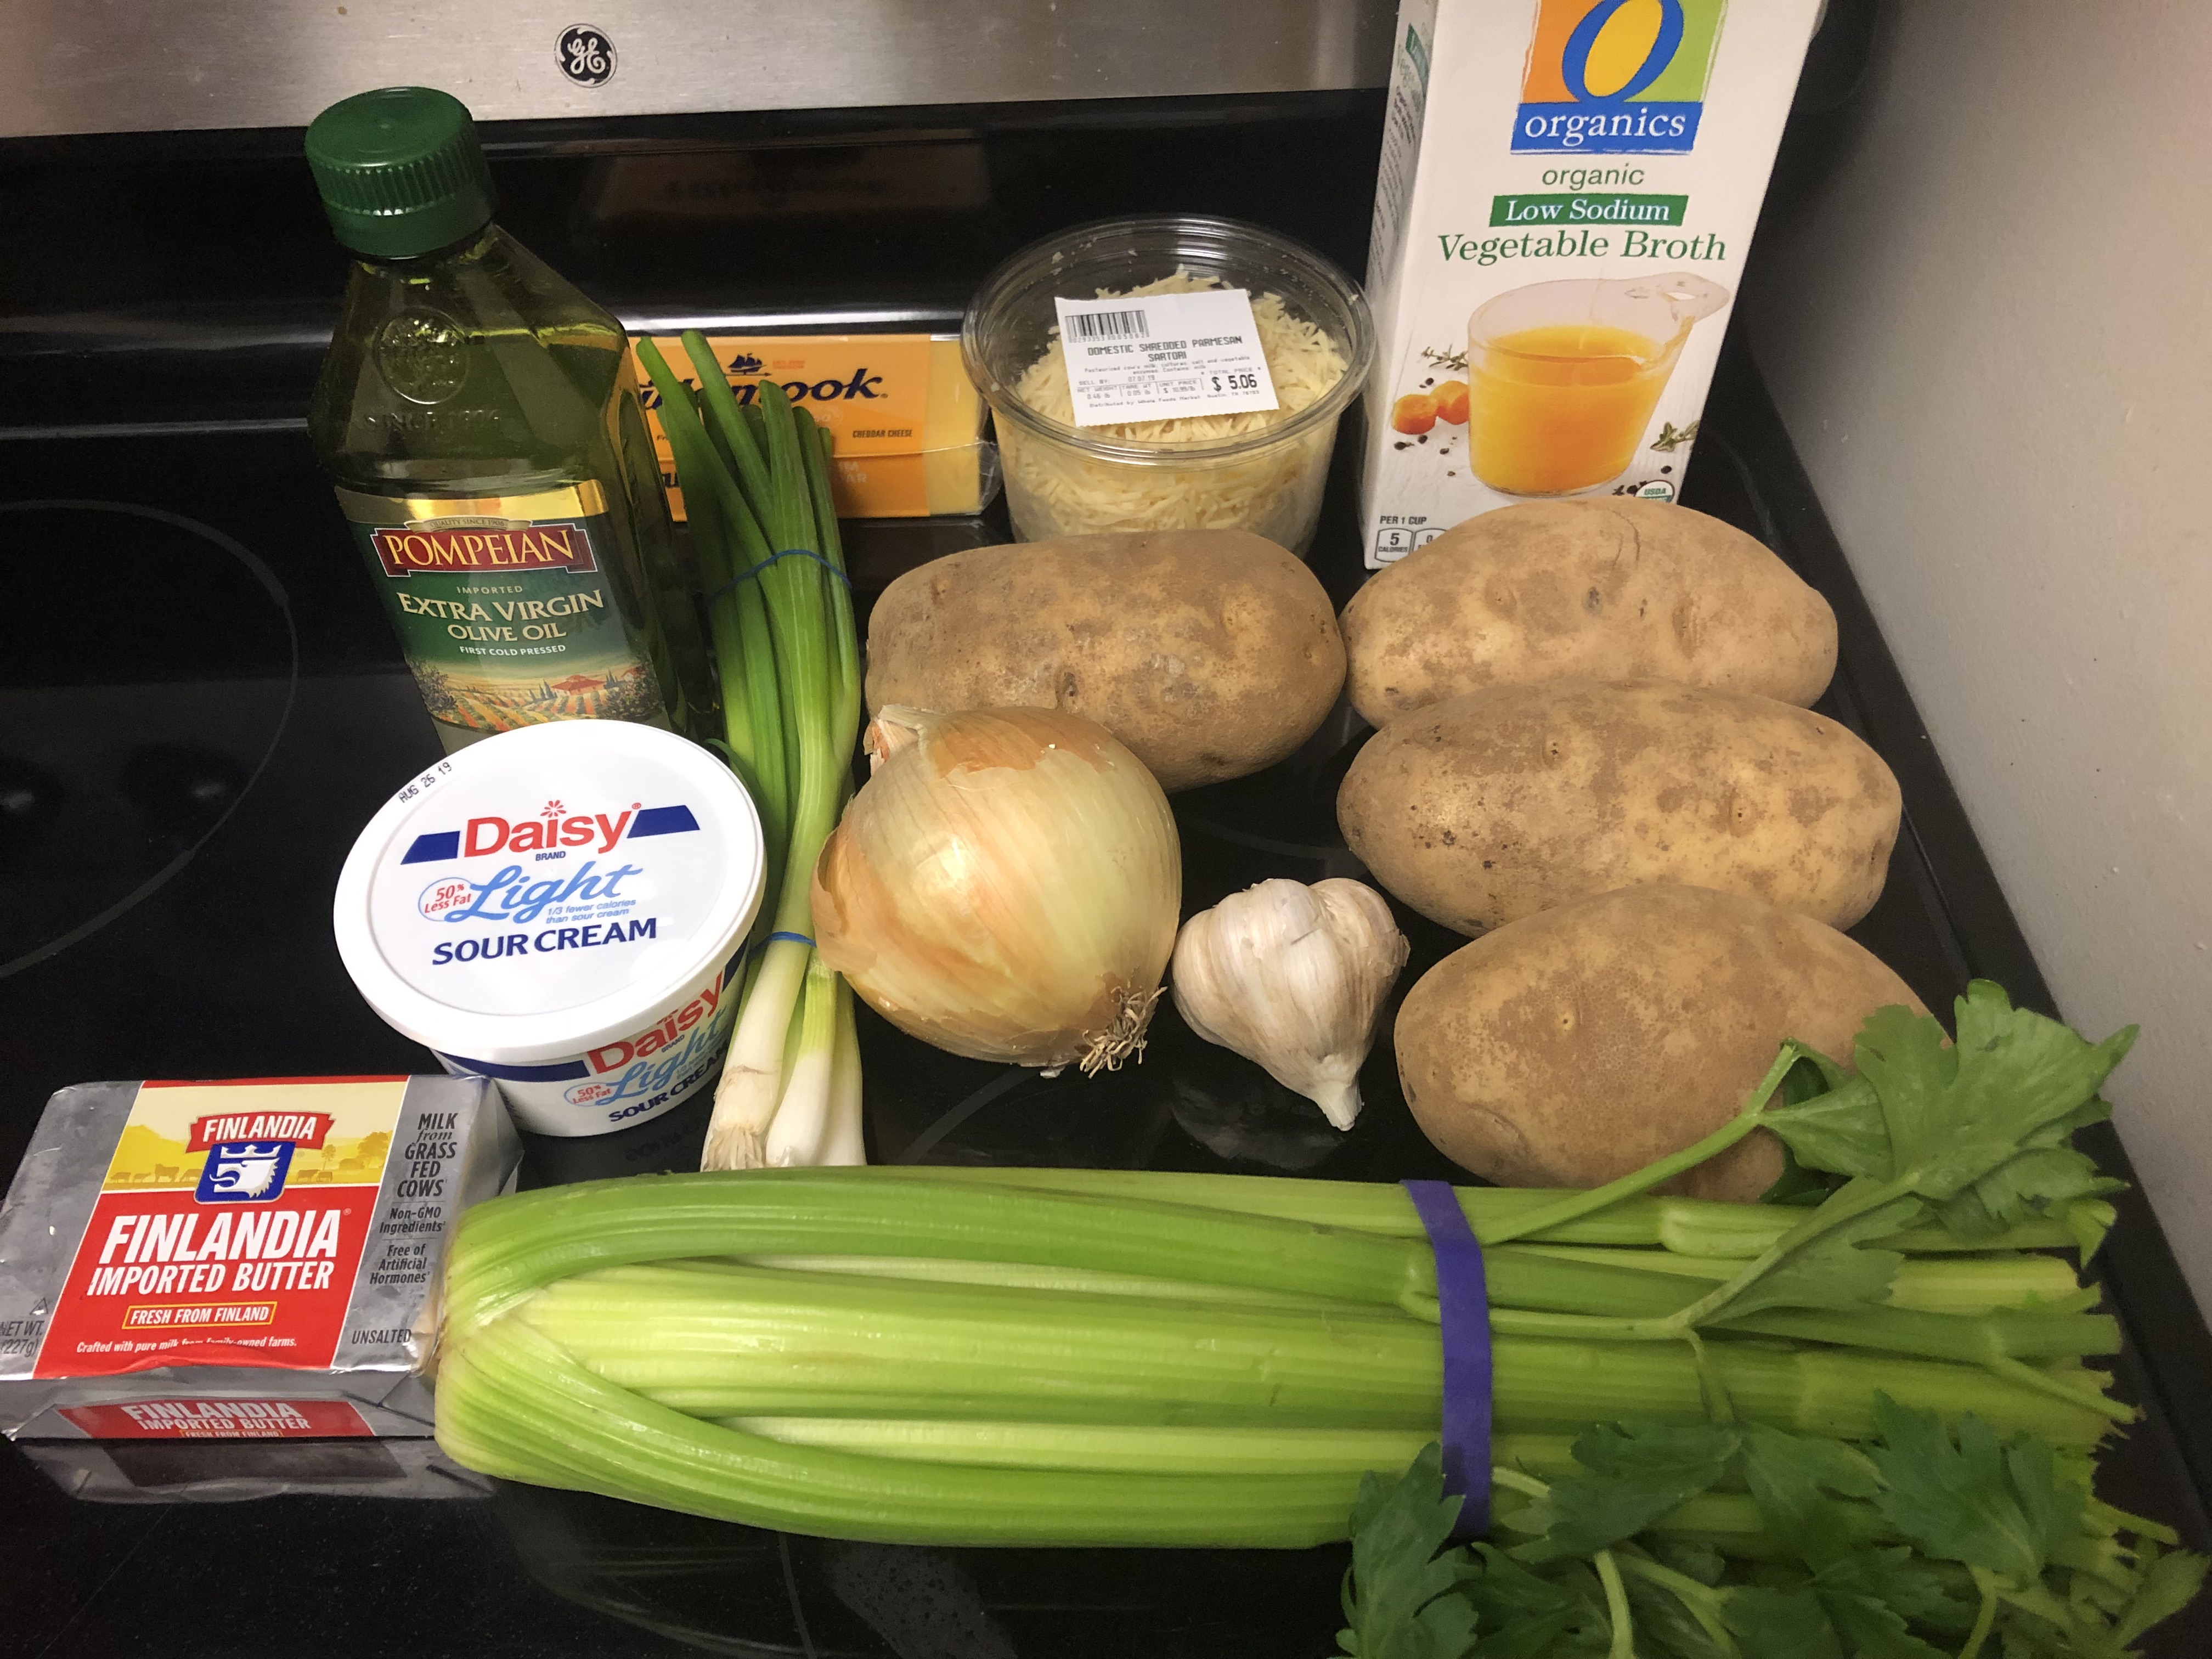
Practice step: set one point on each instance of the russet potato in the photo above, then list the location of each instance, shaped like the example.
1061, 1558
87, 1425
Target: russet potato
1604, 588
1211, 654
1577, 1045
1491, 806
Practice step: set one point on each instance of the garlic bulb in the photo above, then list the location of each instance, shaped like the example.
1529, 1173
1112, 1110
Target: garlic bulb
1005, 885
1293, 977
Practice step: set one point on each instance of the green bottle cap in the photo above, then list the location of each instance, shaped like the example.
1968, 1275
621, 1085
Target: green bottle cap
400, 170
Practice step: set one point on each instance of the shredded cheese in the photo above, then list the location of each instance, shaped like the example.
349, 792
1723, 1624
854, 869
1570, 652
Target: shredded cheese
1273, 489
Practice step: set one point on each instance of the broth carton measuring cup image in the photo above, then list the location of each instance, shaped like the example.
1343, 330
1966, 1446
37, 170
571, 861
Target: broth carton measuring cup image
1567, 197
1562, 377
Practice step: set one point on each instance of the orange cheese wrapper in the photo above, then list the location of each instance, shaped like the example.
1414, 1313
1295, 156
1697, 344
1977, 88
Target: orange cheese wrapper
905, 423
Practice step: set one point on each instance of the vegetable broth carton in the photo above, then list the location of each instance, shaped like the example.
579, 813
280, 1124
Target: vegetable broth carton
1567, 194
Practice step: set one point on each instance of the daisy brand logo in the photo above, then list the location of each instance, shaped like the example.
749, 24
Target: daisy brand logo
547, 827
1617, 78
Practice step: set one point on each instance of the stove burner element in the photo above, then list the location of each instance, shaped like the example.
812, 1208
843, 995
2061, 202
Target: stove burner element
184, 792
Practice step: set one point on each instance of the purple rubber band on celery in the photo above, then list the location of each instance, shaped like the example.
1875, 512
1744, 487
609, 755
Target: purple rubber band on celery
1463, 1305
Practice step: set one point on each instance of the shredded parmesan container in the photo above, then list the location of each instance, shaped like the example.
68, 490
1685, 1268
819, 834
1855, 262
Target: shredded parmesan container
1261, 470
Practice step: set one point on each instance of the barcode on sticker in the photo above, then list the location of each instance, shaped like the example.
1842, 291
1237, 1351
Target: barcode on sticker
1108, 325
1195, 353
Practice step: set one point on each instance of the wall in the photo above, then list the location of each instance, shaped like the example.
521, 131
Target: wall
1990, 331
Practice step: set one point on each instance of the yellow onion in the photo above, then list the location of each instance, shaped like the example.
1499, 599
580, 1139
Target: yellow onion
1005, 885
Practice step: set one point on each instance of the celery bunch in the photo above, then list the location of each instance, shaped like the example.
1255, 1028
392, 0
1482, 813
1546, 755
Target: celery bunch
1116, 1357
779, 614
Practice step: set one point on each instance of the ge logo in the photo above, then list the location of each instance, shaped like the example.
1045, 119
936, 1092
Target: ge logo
587, 56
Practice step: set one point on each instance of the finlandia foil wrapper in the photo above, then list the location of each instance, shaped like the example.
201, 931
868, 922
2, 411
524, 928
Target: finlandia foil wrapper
251, 1259
235, 1471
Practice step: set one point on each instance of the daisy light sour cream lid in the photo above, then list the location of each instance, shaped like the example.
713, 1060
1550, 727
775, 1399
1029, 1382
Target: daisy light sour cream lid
561, 909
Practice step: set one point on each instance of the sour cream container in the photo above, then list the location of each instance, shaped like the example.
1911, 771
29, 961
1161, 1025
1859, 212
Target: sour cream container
561, 909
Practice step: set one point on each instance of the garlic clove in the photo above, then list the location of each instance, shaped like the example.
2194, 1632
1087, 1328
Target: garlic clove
1293, 978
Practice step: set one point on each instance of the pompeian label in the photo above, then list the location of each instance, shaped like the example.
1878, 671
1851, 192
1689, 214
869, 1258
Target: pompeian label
416, 550
503, 607
229, 1230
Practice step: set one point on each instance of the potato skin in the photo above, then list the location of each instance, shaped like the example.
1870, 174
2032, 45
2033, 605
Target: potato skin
1488, 807
1211, 654
1605, 588
1573, 1047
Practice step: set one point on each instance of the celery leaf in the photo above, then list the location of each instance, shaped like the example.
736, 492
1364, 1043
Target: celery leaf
1666, 1628
1637, 1473
1400, 1596
1790, 1478
2170, 1582
1841, 1131
2002, 1506
1782, 1624
1524, 1615
1870, 1597
1956, 1113
1833, 1267
1943, 1118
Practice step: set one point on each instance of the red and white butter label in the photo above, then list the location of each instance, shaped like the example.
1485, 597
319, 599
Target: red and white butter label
229, 1227
254, 1259
221, 1419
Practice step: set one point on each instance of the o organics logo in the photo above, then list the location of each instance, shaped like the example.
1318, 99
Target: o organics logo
1617, 78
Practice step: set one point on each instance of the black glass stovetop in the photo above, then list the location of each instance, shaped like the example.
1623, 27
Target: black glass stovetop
200, 706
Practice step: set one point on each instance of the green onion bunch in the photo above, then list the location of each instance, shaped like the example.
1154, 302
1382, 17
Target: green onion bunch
755, 481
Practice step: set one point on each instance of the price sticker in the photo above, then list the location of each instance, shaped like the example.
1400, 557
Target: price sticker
1156, 356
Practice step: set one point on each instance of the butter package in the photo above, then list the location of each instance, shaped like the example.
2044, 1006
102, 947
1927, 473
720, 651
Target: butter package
1566, 198
249, 1260
207, 1471
905, 424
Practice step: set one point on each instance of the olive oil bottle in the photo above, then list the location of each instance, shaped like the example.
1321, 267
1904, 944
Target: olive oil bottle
480, 419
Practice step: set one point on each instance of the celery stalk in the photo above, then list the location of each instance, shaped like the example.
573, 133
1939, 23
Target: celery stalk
1688, 1225
1216, 1450
720, 1341
518, 1243
512, 1403
1955, 1284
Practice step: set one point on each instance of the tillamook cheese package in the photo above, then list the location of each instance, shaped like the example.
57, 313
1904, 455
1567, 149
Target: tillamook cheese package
254, 1260
1567, 194
905, 423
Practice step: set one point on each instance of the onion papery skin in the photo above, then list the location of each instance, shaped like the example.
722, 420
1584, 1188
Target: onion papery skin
1004, 886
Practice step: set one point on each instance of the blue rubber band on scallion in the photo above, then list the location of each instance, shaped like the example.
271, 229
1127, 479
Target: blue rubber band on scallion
748, 573
1463, 1308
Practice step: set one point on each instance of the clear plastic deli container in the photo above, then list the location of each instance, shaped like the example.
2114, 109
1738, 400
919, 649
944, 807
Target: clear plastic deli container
1065, 479
561, 909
